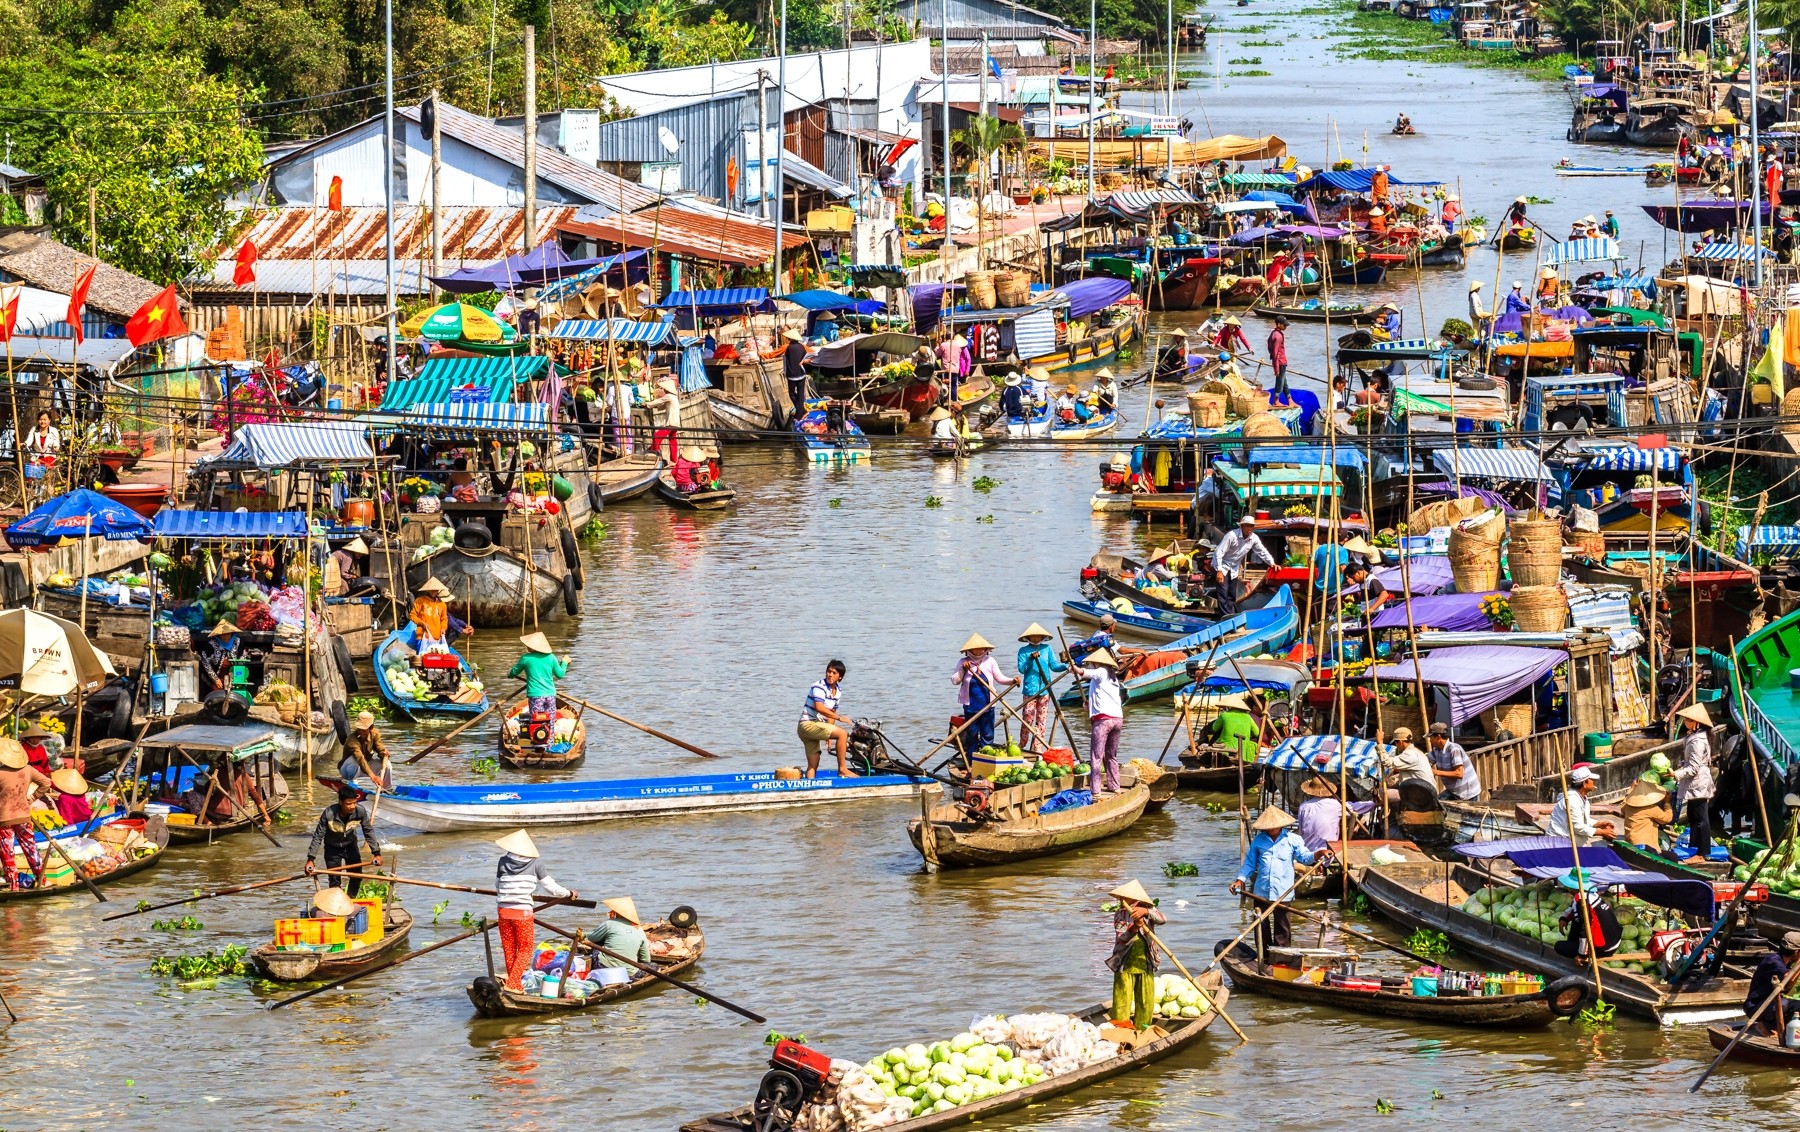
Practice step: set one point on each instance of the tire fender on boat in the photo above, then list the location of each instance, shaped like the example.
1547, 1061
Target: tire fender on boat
571, 595
340, 652
596, 498
473, 536
227, 706
340, 722
684, 917
572, 557
1568, 995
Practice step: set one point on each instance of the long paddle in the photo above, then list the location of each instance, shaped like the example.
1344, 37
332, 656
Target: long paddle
571, 901
232, 891
1748, 1022
1354, 934
663, 735
1182, 716
1266, 913
1196, 983
8, 1006
653, 972
460, 728
67, 860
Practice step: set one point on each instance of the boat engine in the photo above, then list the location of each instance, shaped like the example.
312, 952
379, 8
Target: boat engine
442, 672
868, 748
796, 1075
977, 800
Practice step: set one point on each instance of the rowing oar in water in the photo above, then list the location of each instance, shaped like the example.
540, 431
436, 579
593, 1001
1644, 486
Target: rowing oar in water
1354, 934
1265, 914
1748, 1022
453, 734
70, 861
663, 735
1196, 982
8, 1006
569, 900
653, 972
232, 891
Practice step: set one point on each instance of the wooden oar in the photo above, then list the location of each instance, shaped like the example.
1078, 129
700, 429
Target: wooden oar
458, 730
1181, 713
1748, 1022
407, 958
69, 861
1184, 974
663, 735
653, 972
262, 811
1266, 913
1354, 934
232, 891
8, 1006
569, 900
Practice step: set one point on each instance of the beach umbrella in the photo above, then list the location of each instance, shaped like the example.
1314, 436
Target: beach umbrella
455, 322
42, 655
1321, 753
79, 514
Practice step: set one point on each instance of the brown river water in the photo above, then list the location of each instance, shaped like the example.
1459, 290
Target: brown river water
822, 919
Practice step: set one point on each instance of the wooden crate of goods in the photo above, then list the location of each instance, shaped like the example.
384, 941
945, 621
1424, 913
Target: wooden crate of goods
348, 613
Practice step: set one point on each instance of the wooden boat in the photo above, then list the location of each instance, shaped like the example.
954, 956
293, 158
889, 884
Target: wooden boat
491, 587
709, 499
443, 809
738, 421
153, 829
1775, 917
1139, 620
1316, 311
1162, 789
1018, 832
1767, 711
249, 749
675, 950
1518, 239
518, 752
1253, 631
1367, 271
408, 639
628, 476
951, 450
882, 422
1185, 286
1504, 1011
830, 437
1215, 769
1179, 1033
1093, 349
295, 966
1100, 424
1247, 291
1758, 1050
1566, 170
1448, 252
1413, 895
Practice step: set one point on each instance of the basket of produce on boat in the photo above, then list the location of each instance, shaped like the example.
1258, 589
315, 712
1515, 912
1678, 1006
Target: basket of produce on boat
1265, 424
1514, 719
1208, 410
978, 290
1249, 401
1012, 288
1443, 513
1534, 552
1539, 609
1475, 552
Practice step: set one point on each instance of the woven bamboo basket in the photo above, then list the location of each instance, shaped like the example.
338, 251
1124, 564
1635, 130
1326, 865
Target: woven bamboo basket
1400, 715
1589, 544
1442, 514
1012, 288
1208, 410
1534, 552
1515, 719
1265, 424
1539, 609
1790, 408
1248, 402
1475, 556
979, 290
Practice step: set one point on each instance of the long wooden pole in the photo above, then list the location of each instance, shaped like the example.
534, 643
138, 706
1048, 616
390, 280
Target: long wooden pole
232, 891
654, 973
663, 735
571, 901
1235, 1028
492, 707
1265, 914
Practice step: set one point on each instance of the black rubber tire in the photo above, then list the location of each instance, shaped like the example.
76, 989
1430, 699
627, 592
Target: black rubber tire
340, 652
340, 721
683, 917
571, 594
227, 706
596, 501
572, 558
1569, 995
472, 536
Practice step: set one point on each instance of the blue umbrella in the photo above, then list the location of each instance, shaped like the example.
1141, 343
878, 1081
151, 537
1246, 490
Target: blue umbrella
1322, 753
78, 514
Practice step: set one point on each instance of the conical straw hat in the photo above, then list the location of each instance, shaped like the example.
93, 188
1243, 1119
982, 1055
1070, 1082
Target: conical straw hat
519, 844
69, 781
625, 908
536, 642
333, 902
1273, 818
434, 587
1034, 630
1101, 656
1133, 891
975, 641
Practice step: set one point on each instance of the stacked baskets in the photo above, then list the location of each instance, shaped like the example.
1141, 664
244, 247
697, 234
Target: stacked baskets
1534, 552
1475, 552
1539, 609
978, 290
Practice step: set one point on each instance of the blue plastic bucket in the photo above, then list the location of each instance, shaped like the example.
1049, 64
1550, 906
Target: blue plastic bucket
334, 404
159, 683
1424, 986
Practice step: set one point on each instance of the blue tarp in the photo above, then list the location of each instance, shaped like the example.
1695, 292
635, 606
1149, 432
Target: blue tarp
1551, 857
719, 303
78, 514
927, 301
614, 330
1086, 296
1342, 456
1351, 180
230, 524
817, 300
1281, 200
505, 275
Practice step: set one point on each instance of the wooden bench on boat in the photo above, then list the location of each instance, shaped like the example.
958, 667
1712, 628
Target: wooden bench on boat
1014, 830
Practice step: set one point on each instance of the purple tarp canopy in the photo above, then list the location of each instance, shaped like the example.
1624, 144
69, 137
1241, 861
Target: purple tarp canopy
1476, 678
1703, 215
504, 275
1511, 324
1492, 498
1089, 295
1453, 613
1427, 573
1549, 857
1314, 231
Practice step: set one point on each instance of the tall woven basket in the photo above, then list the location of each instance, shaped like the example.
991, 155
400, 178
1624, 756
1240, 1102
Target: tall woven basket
1517, 720
1475, 556
1534, 552
1012, 288
979, 290
1267, 424
1539, 609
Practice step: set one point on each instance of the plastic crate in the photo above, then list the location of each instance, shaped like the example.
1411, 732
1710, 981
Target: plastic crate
310, 932
986, 766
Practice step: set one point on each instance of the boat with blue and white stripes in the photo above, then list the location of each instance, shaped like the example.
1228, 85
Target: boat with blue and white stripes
1134, 619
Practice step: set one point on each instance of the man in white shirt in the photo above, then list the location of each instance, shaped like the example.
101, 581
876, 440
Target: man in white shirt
1572, 809
1229, 557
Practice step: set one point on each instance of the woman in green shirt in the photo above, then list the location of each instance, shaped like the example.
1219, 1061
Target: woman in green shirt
541, 668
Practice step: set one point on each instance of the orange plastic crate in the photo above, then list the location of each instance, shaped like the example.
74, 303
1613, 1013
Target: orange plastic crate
313, 933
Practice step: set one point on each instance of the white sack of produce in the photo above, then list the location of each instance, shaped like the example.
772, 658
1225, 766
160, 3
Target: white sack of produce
992, 1030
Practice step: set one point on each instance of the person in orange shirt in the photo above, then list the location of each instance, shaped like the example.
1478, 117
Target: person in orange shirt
1378, 223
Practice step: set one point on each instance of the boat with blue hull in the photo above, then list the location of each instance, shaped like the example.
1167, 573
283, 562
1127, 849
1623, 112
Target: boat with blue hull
829, 433
443, 809
1249, 633
405, 642
1139, 620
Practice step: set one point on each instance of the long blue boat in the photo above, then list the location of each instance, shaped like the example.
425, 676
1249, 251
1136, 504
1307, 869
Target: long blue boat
406, 701
1263, 630
1142, 620
443, 809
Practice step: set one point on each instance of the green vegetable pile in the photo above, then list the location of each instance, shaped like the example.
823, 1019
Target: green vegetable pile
946, 1074
1030, 772
1534, 912
1178, 998
1781, 875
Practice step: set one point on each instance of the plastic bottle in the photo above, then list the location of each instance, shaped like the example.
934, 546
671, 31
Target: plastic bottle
1791, 1037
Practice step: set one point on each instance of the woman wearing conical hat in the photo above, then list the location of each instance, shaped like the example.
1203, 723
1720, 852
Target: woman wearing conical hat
1038, 666
1133, 959
518, 880
1268, 872
978, 681
541, 669
623, 933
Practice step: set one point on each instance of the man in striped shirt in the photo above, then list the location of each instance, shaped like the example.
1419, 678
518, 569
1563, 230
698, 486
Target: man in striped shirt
821, 723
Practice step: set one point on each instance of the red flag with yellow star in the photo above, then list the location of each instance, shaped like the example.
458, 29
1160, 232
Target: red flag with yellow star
9, 316
158, 318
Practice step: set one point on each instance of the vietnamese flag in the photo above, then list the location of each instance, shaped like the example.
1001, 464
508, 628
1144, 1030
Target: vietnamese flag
245, 274
9, 317
78, 300
158, 318
334, 196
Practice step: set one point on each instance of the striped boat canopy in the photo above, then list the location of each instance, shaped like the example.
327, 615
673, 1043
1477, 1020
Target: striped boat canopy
1322, 753
1258, 180
1492, 463
720, 302
1277, 483
614, 330
1409, 344
1586, 250
462, 379
230, 524
1767, 540
1144, 200
1624, 459
452, 420
1722, 250
274, 446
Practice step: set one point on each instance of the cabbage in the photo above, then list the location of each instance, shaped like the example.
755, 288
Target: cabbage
946, 1074
964, 1042
917, 1063
940, 1051
935, 1091
1003, 1053
942, 1106
915, 1050
957, 1094
1190, 1012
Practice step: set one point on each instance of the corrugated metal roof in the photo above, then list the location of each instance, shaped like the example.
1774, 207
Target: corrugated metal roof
553, 165
718, 239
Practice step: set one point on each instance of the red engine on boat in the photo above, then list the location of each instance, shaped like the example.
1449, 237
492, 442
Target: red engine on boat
810, 1065
1725, 891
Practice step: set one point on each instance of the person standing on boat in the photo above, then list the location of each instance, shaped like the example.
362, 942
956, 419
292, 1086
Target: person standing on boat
665, 418
1038, 666
954, 353
1379, 187
541, 668
1268, 873
793, 369
821, 723
1516, 302
1452, 766
1106, 391
1229, 557
1172, 359
335, 836
365, 755
1571, 813
1479, 317
1771, 972
978, 680
1133, 958
1278, 358
1450, 213
623, 932
1012, 398
518, 879
1515, 215
17, 777
1106, 714
1694, 779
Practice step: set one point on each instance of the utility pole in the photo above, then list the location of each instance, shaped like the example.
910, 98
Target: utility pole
780, 148
530, 138
1093, 85
437, 204
1756, 175
387, 175
762, 142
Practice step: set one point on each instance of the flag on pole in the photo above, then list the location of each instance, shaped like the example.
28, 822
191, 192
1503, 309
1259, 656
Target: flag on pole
9, 315
334, 196
78, 300
245, 273
159, 318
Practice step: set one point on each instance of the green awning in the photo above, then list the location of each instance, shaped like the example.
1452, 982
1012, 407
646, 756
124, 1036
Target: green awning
1412, 402
480, 381
1278, 483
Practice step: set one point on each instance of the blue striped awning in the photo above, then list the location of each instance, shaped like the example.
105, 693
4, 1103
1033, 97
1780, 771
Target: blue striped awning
1491, 463
463, 379
1321, 753
1408, 344
725, 300
230, 524
613, 330
1585, 250
1723, 250
1633, 460
507, 417
1767, 540
1034, 335
1142, 201
272, 446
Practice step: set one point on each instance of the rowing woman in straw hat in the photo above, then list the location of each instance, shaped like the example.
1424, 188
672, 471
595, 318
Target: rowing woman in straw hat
793, 369
622, 932
1268, 871
1038, 666
17, 777
519, 878
541, 669
1133, 959
1694, 788
978, 680
1172, 359
1106, 390
438, 625
1106, 718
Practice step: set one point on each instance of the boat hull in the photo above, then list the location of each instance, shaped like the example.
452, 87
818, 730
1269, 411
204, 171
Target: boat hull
491, 999
1265, 630
492, 588
1509, 1011
1753, 1051
627, 477
517, 754
1143, 621
964, 842
296, 966
1103, 425
408, 637
713, 499
154, 832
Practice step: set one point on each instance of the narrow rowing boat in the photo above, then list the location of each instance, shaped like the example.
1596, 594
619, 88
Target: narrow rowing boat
1505, 1011
289, 966
673, 950
1178, 1033
458, 702
153, 830
490, 586
1246, 634
706, 499
1098, 425
627, 477
1012, 828
1758, 1050
1139, 620
530, 744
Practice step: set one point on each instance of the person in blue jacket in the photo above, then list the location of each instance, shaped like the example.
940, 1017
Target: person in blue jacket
1038, 666
1268, 872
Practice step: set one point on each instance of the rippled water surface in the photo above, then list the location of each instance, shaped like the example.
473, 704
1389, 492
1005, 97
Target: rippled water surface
712, 628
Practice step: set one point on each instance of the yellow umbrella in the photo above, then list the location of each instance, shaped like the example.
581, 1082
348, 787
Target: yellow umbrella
456, 321
43, 655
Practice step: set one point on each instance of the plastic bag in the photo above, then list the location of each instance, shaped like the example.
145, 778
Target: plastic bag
993, 1029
